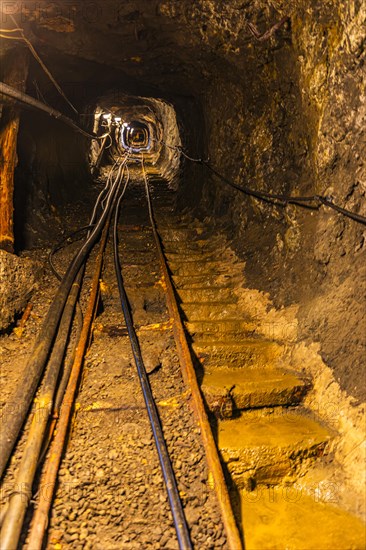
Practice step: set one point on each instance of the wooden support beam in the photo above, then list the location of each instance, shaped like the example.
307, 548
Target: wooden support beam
15, 71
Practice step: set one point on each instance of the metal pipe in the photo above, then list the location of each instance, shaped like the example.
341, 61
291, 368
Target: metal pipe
189, 375
67, 368
19, 500
15, 411
62, 387
30, 101
50, 471
165, 463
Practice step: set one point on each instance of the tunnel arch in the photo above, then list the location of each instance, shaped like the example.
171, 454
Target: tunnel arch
135, 136
116, 111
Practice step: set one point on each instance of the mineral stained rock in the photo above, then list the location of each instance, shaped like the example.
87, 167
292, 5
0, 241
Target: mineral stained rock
17, 281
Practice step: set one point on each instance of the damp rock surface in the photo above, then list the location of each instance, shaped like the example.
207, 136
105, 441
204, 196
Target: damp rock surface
18, 278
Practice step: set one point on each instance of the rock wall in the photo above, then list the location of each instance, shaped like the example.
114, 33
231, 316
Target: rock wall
52, 171
297, 126
281, 90
18, 278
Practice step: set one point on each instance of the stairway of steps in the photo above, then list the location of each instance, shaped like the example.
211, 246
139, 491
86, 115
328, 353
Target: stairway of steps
265, 437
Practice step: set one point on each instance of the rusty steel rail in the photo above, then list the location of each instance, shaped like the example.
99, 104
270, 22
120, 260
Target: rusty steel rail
18, 330
176, 507
50, 470
189, 375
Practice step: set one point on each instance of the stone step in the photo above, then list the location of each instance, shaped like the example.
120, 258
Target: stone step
210, 311
207, 268
237, 353
251, 388
199, 295
179, 234
218, 329
286, 517
264, 446
198, 246
214, 280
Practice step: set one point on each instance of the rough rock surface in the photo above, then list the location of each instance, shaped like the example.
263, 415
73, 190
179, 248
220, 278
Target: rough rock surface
18, 279
281, 113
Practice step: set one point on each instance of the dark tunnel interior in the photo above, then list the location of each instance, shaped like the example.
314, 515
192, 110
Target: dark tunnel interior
56, 166
269, 93
260, 110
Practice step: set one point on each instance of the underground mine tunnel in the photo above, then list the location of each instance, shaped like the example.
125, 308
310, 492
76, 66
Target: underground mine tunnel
244, 124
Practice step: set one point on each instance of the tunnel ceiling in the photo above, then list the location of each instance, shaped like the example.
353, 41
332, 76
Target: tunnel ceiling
176, 46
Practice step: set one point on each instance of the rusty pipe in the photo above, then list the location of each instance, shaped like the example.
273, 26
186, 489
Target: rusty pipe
21, 495
14, 413
50, 471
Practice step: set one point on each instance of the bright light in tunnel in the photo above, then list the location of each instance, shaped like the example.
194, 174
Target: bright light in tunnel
136, 137
140, 127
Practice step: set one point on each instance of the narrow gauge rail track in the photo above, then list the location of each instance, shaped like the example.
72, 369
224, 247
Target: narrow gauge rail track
109, 491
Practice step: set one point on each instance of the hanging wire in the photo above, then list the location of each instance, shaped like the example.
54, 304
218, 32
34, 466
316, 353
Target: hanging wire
312, 201
36, 56
283, 200
178, 148
121, 165
33, 103
40, 96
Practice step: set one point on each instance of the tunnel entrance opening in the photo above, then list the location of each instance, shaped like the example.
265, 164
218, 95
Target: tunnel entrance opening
135, 137
144, 128
56, 172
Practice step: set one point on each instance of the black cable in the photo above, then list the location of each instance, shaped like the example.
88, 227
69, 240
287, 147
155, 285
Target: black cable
279, 200
99, 201
35, 104
15, 410
270, 197
283, 200
178, 148
348, 213
165, 463
33, 51
60, 245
